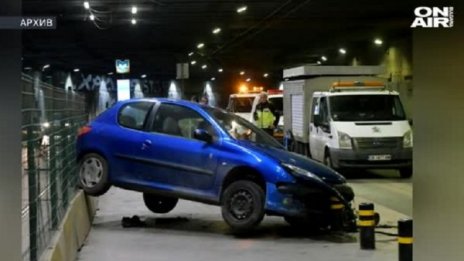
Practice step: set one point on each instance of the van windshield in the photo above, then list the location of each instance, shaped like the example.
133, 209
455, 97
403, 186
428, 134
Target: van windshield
240, 104
366, 108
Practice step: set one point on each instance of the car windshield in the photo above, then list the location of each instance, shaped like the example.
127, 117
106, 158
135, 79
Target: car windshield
366, 108
240, 129
277, 102
240, 104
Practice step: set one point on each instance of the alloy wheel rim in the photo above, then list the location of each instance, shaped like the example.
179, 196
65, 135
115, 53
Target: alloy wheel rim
91, 172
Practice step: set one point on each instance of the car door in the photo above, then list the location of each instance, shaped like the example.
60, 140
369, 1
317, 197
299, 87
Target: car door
319, 131
171, 155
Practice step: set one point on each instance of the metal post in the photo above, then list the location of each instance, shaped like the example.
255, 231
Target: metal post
53, 180
366, 225
31, 173
337, 209
405, 239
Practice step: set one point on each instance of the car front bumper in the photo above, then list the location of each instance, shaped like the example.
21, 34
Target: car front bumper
332, 204
346, 158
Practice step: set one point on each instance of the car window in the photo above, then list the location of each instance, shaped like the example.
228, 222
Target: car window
180, 121
133, 115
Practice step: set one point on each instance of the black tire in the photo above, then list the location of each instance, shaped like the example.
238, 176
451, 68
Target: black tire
405, 173
158, 203
93, 174
328, 161
243, 205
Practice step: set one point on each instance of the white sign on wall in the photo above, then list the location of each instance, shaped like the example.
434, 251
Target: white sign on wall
123, 90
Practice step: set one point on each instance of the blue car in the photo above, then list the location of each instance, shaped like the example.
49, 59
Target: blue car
171, 149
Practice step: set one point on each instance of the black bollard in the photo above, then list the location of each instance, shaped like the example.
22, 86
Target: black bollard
405, 240
366, 225
337, 208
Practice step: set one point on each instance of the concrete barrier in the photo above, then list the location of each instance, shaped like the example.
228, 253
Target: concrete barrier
73, 230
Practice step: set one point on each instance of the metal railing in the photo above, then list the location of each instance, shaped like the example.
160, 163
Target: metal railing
50, 119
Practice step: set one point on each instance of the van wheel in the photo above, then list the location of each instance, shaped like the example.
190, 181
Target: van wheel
93, 174
406, 173
158, 203
328, 160
243, 205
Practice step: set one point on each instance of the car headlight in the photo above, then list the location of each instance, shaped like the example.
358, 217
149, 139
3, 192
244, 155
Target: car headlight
344, 140
300, 172
407, 139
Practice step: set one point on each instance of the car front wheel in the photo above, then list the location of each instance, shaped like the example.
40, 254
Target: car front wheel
93, 174
243, 205
158, 203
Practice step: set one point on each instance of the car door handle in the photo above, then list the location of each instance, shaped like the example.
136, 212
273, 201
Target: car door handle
146, 144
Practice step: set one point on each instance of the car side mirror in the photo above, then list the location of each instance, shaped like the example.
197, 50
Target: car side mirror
203, 135
410, 122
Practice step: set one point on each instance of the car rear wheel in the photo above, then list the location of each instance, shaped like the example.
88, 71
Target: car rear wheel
406, 173
243, 205
158, 203
93, 174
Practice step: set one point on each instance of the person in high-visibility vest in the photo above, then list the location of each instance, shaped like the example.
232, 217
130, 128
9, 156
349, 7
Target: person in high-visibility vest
264, 114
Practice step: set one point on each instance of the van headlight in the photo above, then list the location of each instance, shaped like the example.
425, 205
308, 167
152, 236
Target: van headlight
297, 171
407, 139
344, 140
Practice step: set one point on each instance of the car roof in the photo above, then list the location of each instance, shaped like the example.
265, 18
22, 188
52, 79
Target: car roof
169, 100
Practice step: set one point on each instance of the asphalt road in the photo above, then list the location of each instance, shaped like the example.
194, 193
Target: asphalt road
383, 187
194, 231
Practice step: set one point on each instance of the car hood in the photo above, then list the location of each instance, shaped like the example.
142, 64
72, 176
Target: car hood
281, 155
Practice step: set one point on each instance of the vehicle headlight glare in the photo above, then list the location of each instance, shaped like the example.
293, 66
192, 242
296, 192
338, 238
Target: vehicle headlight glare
299, 171
407, 139
344, 140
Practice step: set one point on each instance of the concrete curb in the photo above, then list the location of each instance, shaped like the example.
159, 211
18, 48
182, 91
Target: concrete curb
73, 230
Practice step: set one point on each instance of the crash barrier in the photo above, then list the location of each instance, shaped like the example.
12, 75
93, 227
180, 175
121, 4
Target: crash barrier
73, 230
366, 225
50, 119
405, 240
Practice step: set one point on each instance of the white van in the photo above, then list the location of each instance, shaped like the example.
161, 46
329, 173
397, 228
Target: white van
360, 125
241, 104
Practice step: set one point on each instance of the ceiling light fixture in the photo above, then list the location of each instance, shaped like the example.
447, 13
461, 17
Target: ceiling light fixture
242, 72
92, 17
191, 53
86, 5
200, 45
324, 58
318, 62
248, 79
143, 76
204, 66
133, 21
134, 9
220, 70
45, 66
342, 51
242, 9
110, 73
216, 30
76, 70
265, 75
378, 41
213, 78
193, 62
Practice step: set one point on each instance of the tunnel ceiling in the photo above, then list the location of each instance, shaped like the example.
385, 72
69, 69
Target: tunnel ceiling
268, 36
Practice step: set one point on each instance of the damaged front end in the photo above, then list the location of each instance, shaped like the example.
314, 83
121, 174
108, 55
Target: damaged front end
312, 201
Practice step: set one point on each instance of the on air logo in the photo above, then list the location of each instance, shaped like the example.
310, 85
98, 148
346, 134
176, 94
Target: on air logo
433, 17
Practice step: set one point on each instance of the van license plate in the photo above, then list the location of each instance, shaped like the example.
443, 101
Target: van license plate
379, 157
